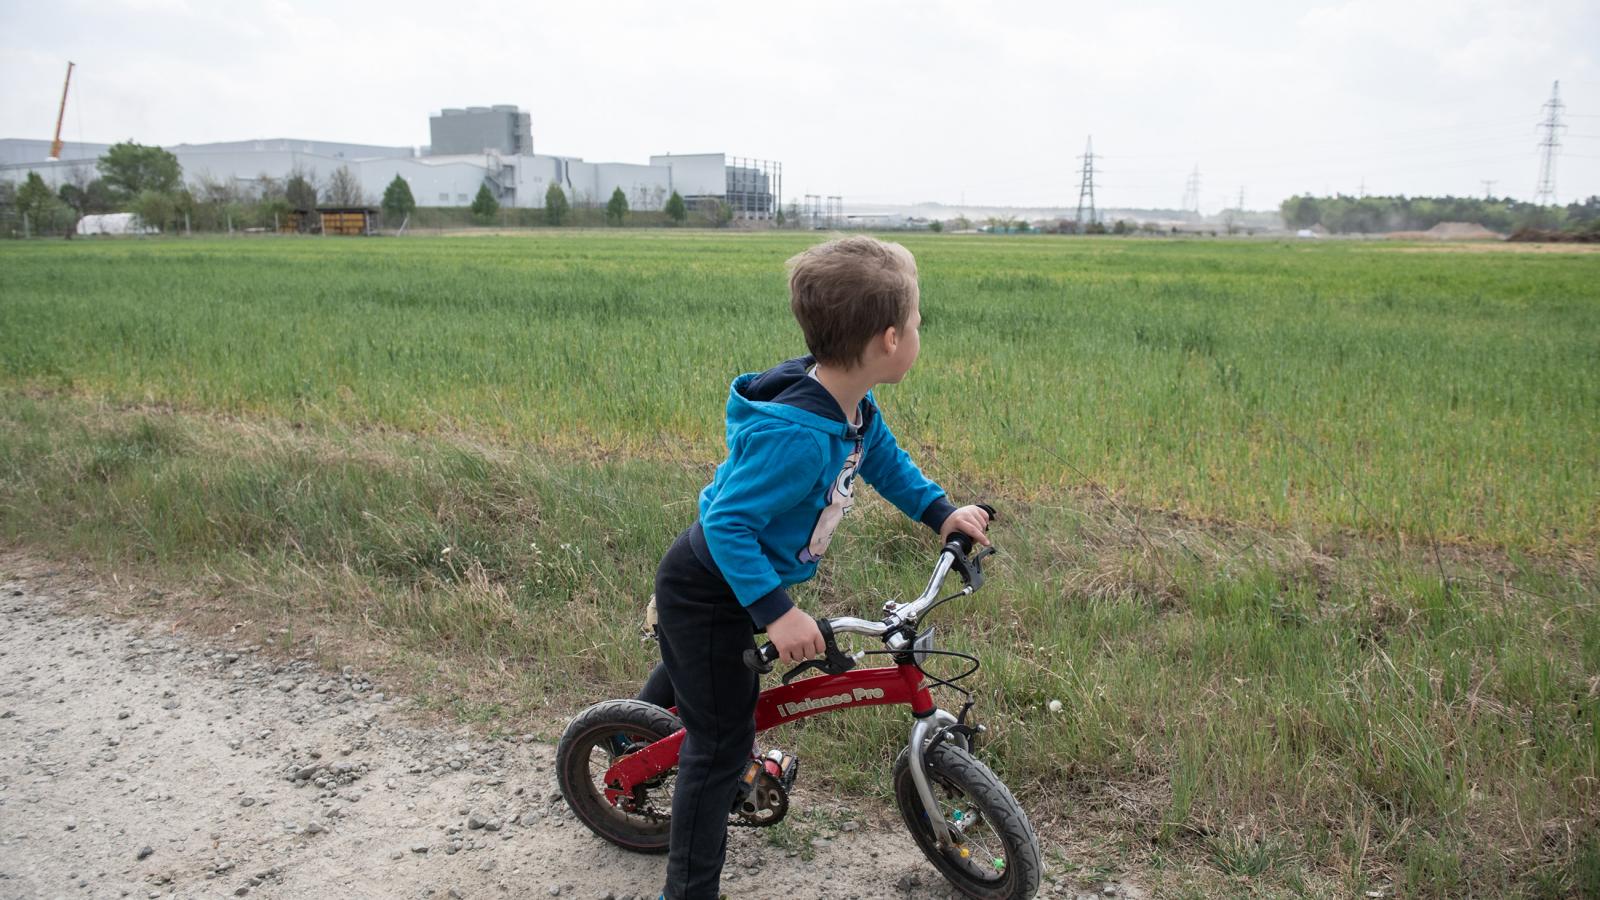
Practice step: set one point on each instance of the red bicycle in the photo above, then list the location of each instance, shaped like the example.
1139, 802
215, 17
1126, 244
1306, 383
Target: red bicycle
616, 760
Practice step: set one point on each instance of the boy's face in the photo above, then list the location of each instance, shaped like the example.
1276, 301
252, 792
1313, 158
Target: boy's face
899, 361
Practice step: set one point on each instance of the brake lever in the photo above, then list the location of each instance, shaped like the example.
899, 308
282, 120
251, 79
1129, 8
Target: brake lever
970, 568
834, 662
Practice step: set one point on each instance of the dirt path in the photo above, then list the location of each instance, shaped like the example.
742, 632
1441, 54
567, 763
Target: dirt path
136, 762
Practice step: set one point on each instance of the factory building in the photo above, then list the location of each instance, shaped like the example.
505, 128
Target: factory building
480, 129
752, 188
470, 147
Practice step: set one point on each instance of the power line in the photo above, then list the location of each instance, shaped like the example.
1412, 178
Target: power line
1429, 135
1086, 184
1545, 193
1373, 157
1488, 188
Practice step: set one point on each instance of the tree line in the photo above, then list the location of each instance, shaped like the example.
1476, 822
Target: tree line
148, 181
1345, 214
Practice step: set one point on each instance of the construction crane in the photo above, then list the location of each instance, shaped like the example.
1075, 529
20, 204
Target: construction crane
55, 145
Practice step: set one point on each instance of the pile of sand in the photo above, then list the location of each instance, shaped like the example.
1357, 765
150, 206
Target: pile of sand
1448, 231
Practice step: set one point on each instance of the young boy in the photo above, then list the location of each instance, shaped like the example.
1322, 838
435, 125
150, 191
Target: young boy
798, 434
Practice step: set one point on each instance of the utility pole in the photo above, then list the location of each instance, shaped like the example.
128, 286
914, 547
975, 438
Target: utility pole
1488, 188
1086, 185
1549, 145
1233, 217
1362, 191
1191, 192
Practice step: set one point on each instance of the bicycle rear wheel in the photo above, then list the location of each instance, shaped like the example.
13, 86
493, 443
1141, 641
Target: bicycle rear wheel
1003, 852
597, 738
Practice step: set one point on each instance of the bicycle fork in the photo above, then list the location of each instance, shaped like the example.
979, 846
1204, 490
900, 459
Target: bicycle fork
921, 733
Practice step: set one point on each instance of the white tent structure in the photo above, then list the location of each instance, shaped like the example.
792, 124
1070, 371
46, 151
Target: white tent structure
115, 223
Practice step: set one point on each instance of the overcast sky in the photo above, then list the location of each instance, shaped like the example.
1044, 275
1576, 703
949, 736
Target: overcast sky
981, 102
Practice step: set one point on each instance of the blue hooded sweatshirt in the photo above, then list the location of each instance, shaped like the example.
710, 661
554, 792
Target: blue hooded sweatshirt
769, 512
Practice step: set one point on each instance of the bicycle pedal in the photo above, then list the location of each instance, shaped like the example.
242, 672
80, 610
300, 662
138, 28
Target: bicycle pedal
747, 781
783, 767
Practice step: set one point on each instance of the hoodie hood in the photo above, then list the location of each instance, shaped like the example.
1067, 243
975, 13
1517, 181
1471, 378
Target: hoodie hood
787, 392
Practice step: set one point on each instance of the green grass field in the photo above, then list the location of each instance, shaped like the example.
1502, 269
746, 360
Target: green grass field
1301, 536
1448, 396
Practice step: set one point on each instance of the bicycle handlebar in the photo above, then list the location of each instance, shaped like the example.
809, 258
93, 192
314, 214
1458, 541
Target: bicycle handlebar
961, 539
897, 616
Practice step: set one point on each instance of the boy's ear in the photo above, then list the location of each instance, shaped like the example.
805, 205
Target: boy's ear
890, 339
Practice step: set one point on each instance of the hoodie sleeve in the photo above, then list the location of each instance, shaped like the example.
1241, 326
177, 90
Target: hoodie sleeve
890, 470
771, 469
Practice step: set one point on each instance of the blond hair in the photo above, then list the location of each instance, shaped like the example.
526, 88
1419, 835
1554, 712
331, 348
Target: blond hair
846, 291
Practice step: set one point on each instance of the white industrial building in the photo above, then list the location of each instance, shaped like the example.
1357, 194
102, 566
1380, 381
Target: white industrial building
441, 174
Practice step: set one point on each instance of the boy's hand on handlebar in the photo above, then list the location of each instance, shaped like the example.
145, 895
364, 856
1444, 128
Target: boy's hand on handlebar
968, 520
796, 636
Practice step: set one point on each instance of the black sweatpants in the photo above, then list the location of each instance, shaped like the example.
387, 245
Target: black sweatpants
704, 633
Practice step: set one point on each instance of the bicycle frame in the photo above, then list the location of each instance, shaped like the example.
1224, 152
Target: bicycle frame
875, 686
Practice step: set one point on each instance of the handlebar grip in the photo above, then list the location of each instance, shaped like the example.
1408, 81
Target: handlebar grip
761, 660
962, 541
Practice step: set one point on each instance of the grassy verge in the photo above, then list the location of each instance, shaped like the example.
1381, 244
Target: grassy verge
1270, 712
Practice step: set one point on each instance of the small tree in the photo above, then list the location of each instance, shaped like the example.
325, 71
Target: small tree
676, 211
129, 169
716, 213
301, 190
86, 200
555, 205
397, 200
8, 202
36, 201
156, 209
42, 207
344, 189
936, 226
484, 206
616, 207
1300, 211
85, 193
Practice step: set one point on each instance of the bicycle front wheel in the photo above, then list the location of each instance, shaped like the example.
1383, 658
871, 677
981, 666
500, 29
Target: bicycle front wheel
1002, 852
